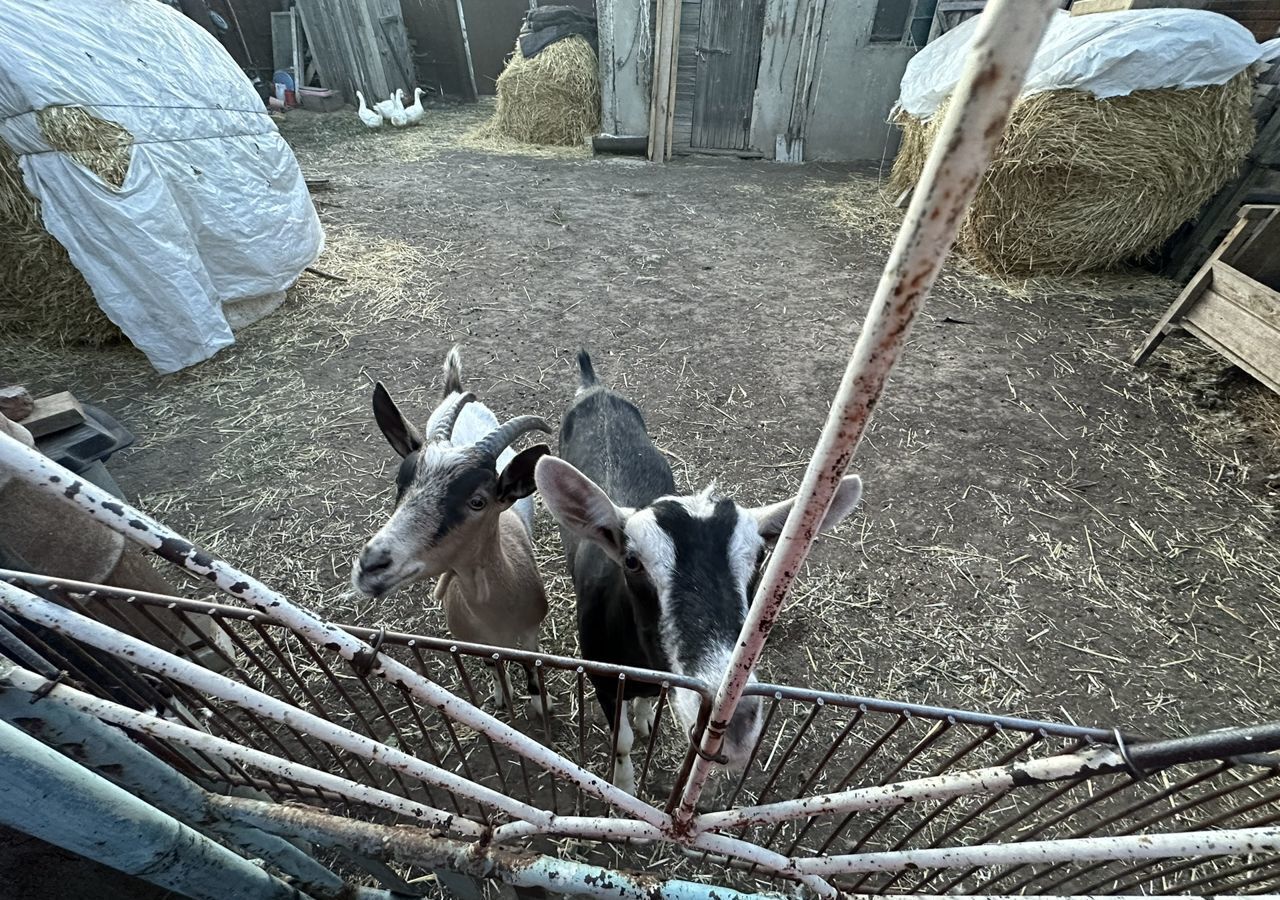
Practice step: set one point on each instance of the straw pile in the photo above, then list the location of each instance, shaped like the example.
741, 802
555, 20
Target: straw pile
42, 294
553, 98
1081, 183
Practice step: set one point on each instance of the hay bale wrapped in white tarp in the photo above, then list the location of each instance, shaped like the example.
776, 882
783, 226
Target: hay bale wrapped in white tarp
1107, 55
210, 221
1128, 122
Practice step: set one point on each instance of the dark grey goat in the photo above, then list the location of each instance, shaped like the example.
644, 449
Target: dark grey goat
662, 581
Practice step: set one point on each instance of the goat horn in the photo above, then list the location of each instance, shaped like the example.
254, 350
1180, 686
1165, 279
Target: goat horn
505, 435
444, 425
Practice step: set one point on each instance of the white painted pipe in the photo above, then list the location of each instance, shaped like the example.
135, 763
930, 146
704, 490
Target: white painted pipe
1189, 844
177, 733
153, 659
1002, 50
50, 796
46, 476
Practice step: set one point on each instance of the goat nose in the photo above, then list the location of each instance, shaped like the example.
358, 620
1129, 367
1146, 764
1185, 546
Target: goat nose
374, 559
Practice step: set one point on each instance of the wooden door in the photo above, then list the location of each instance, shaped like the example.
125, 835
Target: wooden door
728, 61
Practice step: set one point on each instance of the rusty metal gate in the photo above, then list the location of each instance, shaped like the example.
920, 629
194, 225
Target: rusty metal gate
357, 763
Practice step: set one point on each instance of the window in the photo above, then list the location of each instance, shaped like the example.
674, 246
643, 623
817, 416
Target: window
898, 21
890, 22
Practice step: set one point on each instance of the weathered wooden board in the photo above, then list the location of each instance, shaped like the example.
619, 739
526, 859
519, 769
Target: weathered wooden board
626, 66
53, 413
359, 45
1240, 318
1229, 309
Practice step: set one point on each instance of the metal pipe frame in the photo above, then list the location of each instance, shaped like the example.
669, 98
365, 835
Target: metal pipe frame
1006, 40
47, 476
81, 628
13, 678
1002, 50
1201, 844
50, 796
110, 594
108, 751
1250, 742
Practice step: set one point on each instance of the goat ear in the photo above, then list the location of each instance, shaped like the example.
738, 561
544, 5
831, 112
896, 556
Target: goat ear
400, 434
516, 481
770, 519
580, 505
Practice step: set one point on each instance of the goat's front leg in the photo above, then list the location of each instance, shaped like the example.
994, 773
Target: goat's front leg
645, 709
499, 695
539, 702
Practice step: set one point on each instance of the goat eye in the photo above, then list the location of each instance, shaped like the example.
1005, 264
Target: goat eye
632, 562
477, 503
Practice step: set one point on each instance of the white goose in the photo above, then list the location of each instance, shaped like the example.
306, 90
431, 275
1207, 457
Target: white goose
370, 118
415, 111
386, 107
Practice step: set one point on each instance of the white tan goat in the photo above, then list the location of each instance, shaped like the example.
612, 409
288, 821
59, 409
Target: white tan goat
464, 515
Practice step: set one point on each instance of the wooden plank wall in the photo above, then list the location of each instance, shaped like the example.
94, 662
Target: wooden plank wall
438, 53
351, 47
686, 74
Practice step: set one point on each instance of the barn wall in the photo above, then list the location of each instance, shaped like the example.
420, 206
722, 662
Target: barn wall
626, 65
254, 17
857, 86
781, 64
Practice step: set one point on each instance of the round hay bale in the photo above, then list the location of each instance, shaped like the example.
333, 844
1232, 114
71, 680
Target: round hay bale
42, 294
1081, 183
553, 98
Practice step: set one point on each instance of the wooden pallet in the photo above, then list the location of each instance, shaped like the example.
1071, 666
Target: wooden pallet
1232, 303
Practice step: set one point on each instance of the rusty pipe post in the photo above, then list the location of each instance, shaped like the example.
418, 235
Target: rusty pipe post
1003, 48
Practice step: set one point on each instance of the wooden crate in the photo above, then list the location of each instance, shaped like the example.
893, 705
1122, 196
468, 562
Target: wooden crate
1088, 7
1232, 303
1260, 16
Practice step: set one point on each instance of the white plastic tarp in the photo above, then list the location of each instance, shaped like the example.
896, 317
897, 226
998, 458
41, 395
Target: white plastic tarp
214, 210
1106, 54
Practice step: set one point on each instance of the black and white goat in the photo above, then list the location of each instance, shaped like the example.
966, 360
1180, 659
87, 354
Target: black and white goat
463, 514
662, 581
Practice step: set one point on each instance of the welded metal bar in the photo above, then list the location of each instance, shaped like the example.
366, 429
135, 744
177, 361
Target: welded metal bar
979, 740
517, 868
509, 698
1144, 846
1002, 49
1264, 885
156, 660
854, 721
52, 479
433, 752
145, 723
295, 676
103, 679
188, 698
465, 678
1039, 825
11, 644
939, 787
570, 664
1200, 824
1118, 816
658, 709
127, 764
50, 796
946, 764
579, 678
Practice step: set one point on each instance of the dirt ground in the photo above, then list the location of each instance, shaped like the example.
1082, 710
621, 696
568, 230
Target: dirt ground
1045, 532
